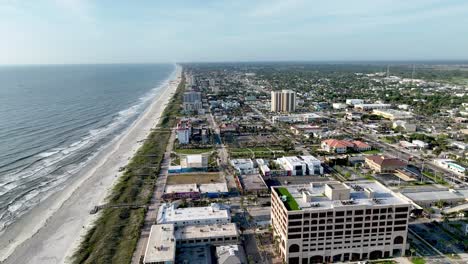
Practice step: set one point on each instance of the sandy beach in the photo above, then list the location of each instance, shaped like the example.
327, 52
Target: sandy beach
52, 230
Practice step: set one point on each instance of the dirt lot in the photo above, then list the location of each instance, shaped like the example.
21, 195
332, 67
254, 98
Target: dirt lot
189, 178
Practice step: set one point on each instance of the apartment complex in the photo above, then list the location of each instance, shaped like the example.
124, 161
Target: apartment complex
192, 101
283, 101
333, 221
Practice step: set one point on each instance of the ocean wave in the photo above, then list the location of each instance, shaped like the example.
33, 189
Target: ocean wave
22, 189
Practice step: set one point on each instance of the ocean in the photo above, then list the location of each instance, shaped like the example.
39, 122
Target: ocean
54, 119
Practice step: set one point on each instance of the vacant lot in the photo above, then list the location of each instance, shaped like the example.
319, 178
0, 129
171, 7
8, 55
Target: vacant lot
190, 178
193, 151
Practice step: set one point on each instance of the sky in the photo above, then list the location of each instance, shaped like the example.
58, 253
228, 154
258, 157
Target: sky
152, 31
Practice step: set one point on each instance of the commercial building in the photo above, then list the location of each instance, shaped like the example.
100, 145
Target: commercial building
382, 164
392, 114
451, 165
283, 101
301, 165
184, 131
428, 198
338, 222
364, 107
161, 247
354, 101
164, 239
209, 215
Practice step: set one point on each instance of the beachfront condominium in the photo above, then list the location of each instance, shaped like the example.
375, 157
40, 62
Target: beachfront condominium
283, 101
334, 222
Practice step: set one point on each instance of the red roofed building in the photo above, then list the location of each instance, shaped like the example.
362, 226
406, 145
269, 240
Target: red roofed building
343, 146
361, 146
382, 164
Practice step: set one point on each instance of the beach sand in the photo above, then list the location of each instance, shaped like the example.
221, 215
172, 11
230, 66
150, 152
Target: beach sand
51, 231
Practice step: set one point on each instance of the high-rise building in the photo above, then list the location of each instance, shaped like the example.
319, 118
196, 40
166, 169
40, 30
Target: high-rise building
334, 222
283, 101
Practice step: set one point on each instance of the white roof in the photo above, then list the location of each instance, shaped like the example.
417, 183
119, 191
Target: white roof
205, 231
196, 158
168, 213
161, 245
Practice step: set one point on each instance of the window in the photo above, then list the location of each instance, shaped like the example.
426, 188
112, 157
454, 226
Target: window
400, 222
340, 213
401, 209
358, 212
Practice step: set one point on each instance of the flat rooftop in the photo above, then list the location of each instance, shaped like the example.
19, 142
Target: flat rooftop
319, 201
429, 196
168, 213
161, 245
206, 231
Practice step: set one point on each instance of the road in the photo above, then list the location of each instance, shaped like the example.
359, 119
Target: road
152, 213
222, 153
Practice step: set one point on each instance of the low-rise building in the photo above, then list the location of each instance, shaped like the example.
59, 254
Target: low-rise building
161, 247
343, 146
338, 222
212, 234
451, 165
392, 114
231, 254
354, 101
243, 166
164, 239
382, 164
365, 107
194, 162
301, 165
209, 215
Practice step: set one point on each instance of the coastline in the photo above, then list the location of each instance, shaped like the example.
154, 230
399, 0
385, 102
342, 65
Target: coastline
52, 230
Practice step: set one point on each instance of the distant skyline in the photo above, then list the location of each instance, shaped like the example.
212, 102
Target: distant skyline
145, 31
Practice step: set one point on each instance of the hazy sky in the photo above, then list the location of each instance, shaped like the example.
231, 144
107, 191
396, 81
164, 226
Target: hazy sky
118, 31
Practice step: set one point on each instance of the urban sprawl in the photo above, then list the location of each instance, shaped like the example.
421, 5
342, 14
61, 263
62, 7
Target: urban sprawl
308, 163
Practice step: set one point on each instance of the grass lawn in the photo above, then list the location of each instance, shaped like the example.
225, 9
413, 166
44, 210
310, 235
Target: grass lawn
193, 151
190, 178
418, 260
372, 151
290, 203
437, 180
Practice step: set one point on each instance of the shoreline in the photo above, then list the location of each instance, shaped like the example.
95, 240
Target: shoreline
51, 231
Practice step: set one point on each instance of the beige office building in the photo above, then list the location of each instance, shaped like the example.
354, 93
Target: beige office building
283, 101
335, 222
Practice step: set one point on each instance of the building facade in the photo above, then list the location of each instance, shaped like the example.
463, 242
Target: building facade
283, 101
336, 222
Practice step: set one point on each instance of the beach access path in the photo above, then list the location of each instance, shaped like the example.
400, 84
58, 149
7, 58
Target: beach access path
156, 201
52, 230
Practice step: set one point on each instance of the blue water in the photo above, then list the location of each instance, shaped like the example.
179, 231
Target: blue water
53, 119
